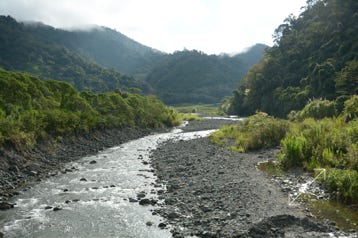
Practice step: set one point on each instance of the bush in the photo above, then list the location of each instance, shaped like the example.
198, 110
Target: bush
344, 183
350, 111
316, 109
293, 152
255, 132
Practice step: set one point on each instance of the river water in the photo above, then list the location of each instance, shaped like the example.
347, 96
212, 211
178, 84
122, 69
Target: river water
94, 198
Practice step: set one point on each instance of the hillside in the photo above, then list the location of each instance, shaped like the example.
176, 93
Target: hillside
22, 49
315, 56
194, 77
106, 47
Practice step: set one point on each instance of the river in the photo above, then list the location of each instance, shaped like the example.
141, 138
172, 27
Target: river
93, 199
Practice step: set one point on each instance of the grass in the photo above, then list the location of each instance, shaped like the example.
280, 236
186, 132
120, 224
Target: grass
206, 109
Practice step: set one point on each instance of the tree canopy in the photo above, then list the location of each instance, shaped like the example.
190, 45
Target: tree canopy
314, 56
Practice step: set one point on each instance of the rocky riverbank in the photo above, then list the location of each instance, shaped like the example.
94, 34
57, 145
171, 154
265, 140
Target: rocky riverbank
211, 192
20, 168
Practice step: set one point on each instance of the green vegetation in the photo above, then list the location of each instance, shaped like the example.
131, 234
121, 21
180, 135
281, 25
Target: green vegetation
313, 141
193, 77
35, 52
205, 109
256, 132
190, 117
314, 56
33, 109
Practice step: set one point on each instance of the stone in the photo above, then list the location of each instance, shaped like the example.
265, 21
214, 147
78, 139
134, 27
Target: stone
162, 225
144, 202
6, 205
83, 179
93, 162
48, 207
149, 223
132, 200
57, 209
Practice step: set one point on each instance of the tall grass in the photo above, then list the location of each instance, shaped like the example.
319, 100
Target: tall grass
256, 132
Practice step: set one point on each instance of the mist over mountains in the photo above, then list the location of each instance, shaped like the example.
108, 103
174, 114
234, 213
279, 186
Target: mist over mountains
101, 59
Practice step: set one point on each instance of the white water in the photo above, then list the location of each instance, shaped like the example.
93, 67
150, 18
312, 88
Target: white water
102, 209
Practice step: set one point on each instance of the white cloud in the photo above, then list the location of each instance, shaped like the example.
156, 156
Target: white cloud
212, 26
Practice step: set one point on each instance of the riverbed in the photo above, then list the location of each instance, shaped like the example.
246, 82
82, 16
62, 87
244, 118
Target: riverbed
96, 197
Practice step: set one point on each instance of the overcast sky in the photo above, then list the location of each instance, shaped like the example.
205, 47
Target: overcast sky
211, 26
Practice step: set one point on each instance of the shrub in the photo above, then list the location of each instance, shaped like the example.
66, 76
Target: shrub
316, 109
350, 111
255, 132
343, 182
293, 152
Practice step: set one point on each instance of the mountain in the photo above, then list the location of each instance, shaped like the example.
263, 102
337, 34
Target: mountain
195, 77
91, 59
23, 48
106, 47
315, 56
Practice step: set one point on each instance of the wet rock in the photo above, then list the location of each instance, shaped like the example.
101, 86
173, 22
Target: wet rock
162, 225
57, 209
1, 235
65, 190
6, 205
48, 207
141, 195
83, 179
144, 202
132, 200
149, 223
76, 200
93, 162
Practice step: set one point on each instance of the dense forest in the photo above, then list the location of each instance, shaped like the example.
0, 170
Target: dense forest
194, 77
314, 56
106, 47
93, 59
22, 50
32, 109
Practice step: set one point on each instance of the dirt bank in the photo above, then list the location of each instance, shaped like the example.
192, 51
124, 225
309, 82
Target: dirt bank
212, 192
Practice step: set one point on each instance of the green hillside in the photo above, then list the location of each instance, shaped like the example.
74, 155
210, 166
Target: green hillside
194, 77
315, 56
23, 50
105, 46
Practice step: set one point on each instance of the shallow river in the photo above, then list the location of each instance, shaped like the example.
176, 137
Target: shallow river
94, 198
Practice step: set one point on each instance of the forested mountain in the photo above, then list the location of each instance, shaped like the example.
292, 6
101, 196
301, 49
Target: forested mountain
22, 49
315, 56
105, 46
194, 77
90, 60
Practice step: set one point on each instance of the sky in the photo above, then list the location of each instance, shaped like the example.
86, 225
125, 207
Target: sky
210, 26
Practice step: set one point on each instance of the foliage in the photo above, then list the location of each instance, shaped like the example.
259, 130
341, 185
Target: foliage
204, 109
256, 132
32, 109
316, 109
350, 111
314, 56
193, 77
37, 50
344, 182
190, 117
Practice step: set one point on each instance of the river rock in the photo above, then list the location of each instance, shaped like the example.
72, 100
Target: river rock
144, 201
57, 209
6, 205
93, 162
83, 179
